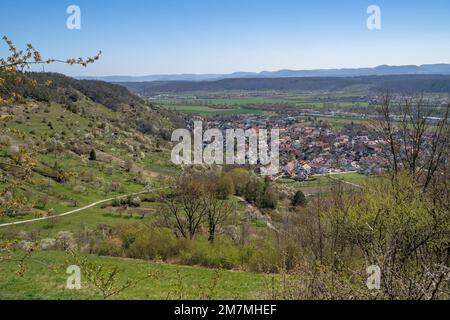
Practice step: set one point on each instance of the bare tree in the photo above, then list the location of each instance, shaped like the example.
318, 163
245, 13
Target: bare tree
418, 137
217, 210
186, 206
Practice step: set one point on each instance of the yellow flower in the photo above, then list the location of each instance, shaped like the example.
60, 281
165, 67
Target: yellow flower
37, 56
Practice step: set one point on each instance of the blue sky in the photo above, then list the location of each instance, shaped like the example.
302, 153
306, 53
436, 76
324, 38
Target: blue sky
141, 37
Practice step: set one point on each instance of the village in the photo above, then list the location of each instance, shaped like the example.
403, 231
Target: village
309, 149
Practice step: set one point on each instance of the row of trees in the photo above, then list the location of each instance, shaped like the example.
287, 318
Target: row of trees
418, 138
256, 190
196, 199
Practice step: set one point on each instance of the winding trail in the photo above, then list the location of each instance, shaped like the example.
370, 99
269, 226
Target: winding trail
252, 208
76, 210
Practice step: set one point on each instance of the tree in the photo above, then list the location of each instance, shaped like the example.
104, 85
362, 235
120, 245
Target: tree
92, 155
418, 138
186, 206
254, 191
218, 210
129, 164
225, 186
299, 199
399, 229
241, 178
19, 60
270, 197
15, 84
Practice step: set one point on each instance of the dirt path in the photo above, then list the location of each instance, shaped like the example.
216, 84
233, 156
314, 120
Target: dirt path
258, 213
76, 210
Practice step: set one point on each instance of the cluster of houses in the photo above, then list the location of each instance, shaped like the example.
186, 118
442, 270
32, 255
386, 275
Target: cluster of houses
307, 150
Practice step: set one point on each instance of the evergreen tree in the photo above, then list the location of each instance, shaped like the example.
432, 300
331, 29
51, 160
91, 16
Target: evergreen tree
299, 199
92, 155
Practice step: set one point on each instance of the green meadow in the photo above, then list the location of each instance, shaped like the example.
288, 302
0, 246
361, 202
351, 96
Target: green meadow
210, 111
45, 277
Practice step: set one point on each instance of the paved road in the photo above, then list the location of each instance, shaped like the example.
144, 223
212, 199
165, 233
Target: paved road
76, 210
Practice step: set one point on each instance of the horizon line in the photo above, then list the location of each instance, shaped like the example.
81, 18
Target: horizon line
262, 71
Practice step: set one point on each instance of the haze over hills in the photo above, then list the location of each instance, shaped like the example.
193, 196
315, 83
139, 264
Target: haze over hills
431, 69
409, 84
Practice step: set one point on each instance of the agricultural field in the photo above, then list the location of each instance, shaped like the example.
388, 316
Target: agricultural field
211, 111
337, 122
234, 103
323, 183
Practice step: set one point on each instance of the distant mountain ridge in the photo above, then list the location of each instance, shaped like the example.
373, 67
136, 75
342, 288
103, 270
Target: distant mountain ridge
383, 70
414, 84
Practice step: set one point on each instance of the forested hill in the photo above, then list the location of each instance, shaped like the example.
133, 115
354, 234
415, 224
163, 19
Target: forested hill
107, 94
395, 83
79, 96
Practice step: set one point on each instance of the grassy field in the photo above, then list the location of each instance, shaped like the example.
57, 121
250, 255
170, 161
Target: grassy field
338, 122
318, 183
210, 111
45, 278
90, 181
218, 103
90, 218
62, 197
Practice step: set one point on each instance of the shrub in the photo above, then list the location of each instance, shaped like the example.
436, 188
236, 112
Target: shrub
135, 202
226, 186
155, 243
79, 189
116, 202
92, 155
220, 254
299, 199
270, 198
110, 247
114, 186
147, 242
66, 241
264, 259
42, 202
241, 178
5, 141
